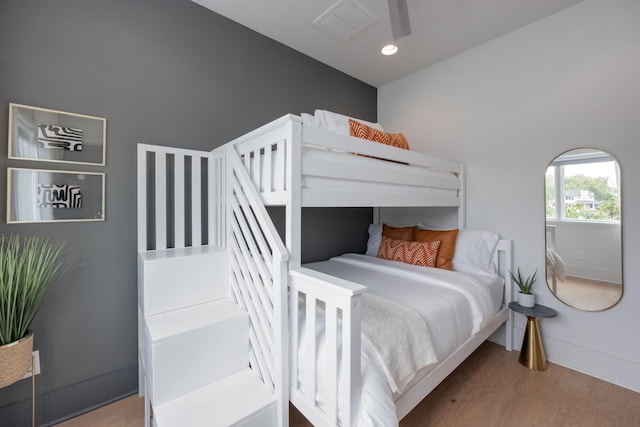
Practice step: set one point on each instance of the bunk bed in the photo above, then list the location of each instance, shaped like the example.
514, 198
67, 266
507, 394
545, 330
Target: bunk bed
313, 161
308, 324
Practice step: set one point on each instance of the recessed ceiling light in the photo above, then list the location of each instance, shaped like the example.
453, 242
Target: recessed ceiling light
389, 49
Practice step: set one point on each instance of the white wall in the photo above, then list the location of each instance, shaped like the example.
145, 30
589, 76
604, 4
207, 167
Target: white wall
601, 247
509, 106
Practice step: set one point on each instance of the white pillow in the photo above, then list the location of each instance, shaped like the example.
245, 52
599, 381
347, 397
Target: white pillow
308, 119
337, 123
474, 251
375, 238
474, 248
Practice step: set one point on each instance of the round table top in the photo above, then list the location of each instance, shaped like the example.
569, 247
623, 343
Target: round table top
536, 311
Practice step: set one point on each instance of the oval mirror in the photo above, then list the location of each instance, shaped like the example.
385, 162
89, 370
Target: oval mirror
584, 229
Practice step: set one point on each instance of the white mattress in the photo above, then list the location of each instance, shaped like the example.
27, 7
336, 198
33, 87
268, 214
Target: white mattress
454, 306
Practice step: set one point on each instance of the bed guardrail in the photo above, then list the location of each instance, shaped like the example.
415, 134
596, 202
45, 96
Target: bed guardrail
264, 154
317, 302
173, 201
340, 170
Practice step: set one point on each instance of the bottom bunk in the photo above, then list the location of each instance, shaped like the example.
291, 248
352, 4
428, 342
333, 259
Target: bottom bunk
372, 337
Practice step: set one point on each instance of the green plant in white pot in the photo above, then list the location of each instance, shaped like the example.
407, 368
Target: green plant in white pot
29, 267
526, 298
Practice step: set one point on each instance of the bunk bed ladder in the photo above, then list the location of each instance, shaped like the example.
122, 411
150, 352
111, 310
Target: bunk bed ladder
258, 277
271, 159
209, 278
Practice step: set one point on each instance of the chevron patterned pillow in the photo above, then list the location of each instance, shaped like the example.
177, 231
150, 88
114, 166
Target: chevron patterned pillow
417, 253
360, 130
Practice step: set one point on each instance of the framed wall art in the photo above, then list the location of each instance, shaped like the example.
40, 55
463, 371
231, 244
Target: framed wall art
37, 195
56, 136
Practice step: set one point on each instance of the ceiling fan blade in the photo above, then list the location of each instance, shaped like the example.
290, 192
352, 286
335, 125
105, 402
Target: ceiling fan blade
399, 15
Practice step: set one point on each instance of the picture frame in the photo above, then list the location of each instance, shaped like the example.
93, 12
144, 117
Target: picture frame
40, 195
41, 134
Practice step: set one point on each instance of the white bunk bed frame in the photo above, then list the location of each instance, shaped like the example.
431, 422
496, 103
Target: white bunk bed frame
294, 165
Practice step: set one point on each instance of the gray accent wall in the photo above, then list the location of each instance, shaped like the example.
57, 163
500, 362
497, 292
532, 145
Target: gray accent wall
165, 72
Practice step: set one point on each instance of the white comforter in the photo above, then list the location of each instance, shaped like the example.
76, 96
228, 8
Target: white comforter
453, 306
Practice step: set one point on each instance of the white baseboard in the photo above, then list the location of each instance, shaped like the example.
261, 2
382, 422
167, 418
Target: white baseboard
607, 367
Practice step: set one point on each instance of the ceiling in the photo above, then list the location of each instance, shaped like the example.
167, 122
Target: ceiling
440, 29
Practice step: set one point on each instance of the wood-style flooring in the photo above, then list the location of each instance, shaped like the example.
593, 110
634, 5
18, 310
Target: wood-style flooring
127, 412
490, 389
588, 294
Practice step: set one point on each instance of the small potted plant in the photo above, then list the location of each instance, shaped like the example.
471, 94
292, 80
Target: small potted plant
28, 268
525, 297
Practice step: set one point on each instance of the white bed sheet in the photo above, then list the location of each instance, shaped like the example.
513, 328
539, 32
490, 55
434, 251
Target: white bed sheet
454, 306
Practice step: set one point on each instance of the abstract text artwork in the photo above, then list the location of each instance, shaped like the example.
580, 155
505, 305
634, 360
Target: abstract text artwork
59, 137
42, 195
45, 135
59, 196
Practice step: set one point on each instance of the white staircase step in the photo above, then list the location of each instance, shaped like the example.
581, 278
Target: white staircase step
240, 399
175, 278
193, 346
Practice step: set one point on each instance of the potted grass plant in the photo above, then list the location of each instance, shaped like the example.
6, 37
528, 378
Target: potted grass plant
29, 267
526, 298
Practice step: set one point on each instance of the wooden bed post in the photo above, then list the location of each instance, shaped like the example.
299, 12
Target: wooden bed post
217, 199
293, 238
351, 347
376, 216
462, 215
507, 247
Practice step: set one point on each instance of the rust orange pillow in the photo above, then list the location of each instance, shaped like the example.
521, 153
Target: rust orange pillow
360, 130
398, 233
447, 240
416, 253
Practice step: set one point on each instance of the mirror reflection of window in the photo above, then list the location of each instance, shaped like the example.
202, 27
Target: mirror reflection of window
583, 185
583, 229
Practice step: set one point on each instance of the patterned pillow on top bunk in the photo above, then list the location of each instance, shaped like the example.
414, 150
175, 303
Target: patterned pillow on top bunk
360, 130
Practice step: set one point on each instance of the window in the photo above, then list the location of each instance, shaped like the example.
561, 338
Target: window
583, 185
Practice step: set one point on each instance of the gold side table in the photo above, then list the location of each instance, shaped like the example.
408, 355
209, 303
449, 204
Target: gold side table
532, 352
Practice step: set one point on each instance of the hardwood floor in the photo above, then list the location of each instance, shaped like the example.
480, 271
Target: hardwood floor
490, 389
127, 412
588, 294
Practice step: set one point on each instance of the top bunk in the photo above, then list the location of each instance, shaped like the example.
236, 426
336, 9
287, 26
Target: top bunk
314, 161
